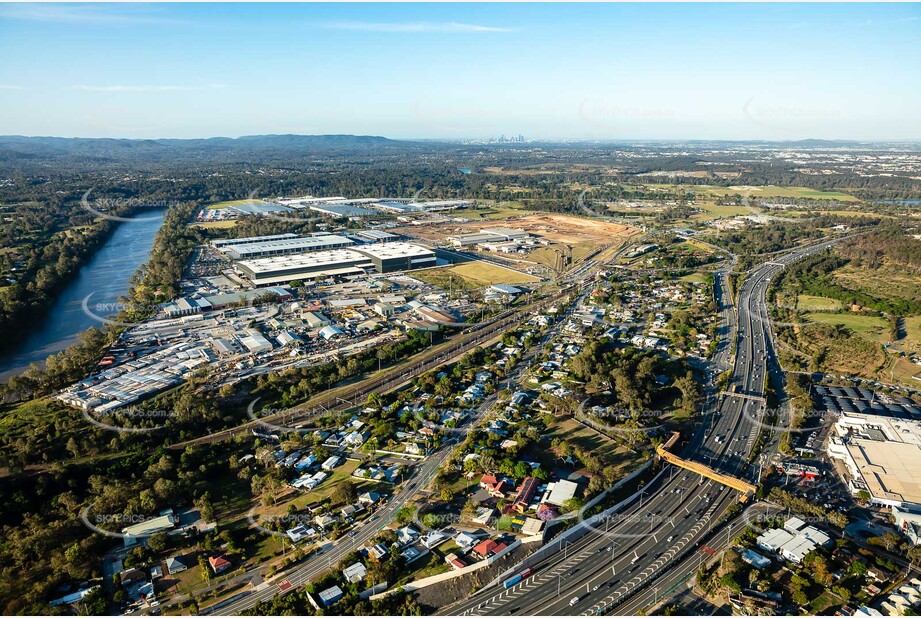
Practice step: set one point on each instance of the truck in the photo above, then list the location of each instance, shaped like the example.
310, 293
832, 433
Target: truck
511, 581
514, 579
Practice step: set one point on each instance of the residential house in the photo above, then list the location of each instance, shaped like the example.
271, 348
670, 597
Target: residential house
330, 596
378, 552
175, 565
355, 573
407, 535
219, 564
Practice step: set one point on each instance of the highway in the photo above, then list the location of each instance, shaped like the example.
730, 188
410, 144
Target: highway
599, 572
334, 552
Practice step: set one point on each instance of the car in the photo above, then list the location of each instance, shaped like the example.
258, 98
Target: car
573, 601
669, 539
595, 588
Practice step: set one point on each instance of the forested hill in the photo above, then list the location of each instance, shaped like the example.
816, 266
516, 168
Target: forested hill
217, 149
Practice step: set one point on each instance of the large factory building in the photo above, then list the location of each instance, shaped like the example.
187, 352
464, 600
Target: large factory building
381, 257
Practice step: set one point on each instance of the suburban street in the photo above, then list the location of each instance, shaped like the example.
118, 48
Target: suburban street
672, 514
424, 472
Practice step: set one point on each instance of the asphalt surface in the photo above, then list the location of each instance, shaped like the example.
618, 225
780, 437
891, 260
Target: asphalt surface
423, 473
678, 509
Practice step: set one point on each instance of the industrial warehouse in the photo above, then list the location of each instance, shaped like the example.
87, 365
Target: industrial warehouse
284, 246
882, 456
383, 258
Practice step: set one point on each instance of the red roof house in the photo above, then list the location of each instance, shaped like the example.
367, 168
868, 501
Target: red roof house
219, 564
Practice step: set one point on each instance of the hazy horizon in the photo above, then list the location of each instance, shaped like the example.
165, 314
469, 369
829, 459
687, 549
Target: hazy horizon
551, 72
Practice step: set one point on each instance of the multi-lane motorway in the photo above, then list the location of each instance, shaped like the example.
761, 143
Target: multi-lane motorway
666, 523
318, 564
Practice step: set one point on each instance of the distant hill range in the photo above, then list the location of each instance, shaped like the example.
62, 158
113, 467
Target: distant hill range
217, 148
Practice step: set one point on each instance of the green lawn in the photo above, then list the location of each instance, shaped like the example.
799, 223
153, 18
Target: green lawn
695, 278
486, 273
807, 302
471, 275
497, 210
913, 329
693, 246
869, 326
823, 602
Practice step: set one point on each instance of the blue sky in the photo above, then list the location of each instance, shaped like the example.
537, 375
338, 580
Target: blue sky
589, 71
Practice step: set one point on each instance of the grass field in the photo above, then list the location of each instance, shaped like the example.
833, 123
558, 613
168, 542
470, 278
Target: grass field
807, 302
694, 247
695, 278
901, 370
497, 210
444, 278
573, 432
766, 191
869, 326
472, 275
913, 329
853, 213
885, 282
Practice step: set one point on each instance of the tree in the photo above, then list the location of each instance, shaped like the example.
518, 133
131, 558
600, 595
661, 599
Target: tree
73, 447
573, 504
375, 401
887, 540
204, 506
94, 603
344, 493
469, 510
205, 571
158, 542
521, 470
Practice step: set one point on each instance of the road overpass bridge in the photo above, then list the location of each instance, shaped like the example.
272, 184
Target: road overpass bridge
746, 489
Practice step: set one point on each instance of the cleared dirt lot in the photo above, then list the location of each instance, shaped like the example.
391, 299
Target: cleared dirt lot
563, 229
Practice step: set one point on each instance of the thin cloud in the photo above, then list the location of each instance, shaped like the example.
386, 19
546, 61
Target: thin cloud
10, 87
80, 15
419, 26
891, 22
125, 88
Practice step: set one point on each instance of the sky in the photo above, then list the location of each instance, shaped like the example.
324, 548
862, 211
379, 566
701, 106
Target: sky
463, 71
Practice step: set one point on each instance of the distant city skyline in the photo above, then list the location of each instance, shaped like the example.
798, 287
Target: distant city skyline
463, 71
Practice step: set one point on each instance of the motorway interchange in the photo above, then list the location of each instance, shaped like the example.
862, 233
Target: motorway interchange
662, 526
651, 532
332, 553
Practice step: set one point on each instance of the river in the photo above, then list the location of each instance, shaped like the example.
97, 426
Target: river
107, 276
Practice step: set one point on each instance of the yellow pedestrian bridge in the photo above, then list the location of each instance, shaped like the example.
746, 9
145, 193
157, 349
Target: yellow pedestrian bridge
747, 489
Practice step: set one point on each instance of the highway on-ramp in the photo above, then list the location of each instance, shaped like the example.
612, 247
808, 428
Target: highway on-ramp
678, 509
